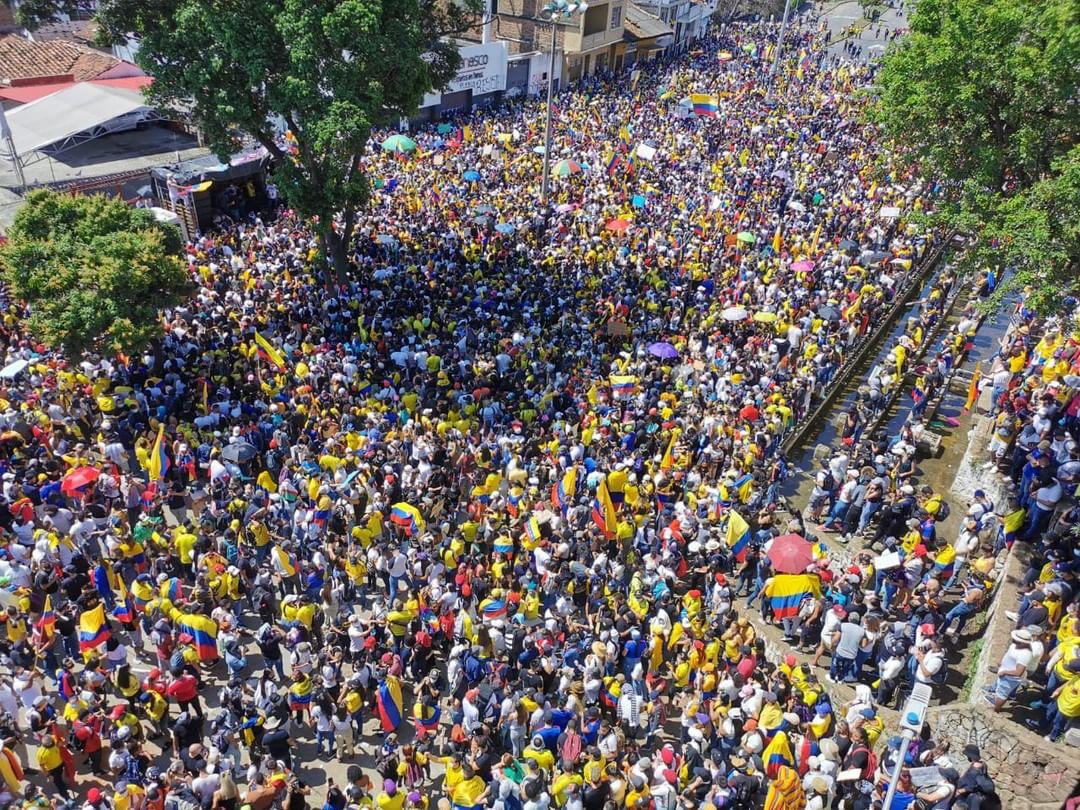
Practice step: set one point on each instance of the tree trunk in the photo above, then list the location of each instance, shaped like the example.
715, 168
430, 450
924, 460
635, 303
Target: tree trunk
335, 251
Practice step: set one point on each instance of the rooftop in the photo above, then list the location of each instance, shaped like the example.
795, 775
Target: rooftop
21, 59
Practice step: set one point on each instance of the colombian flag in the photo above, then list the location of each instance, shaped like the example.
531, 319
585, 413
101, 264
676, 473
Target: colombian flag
268, 353
777, 753
47, 623
158, 463
142, 591
513, 501
172, 590
622, 385
504, 545
704, 104
563, 491
493, 609
668, 461
124, 612
408, 517
389, 703
300, 694
603, 511
202, 630
284, 562
93, 629
426, 717
788, 591
738, 536
944, 563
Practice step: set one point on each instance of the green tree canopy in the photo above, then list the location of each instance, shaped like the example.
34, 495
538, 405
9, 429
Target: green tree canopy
328, 70
982, 96
95, 271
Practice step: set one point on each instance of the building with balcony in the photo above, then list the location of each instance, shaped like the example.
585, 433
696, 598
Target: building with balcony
588, 42
689, 20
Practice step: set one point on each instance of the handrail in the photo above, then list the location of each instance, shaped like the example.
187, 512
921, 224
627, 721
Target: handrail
798, 436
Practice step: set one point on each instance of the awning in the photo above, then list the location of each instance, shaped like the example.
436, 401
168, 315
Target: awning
74, 115
639, 24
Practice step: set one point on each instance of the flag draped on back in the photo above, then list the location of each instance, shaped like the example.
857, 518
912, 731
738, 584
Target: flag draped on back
201, 630
562, 492
408, 517
389, 702
788, 591
777, 753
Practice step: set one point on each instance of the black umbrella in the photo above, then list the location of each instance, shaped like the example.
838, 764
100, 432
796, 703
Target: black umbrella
829, 313
238, 453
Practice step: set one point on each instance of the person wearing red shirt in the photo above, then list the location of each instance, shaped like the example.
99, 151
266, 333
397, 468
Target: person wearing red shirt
87, 733
184, 689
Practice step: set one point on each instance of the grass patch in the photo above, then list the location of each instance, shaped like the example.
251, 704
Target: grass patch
975, 651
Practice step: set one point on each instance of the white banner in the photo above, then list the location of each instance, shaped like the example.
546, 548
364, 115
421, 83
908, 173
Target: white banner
482, 70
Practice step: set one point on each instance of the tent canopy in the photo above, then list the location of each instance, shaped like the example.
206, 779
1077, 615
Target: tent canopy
69, 117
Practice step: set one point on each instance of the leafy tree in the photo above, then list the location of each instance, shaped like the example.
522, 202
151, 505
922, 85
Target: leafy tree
328, 70
35, 13
982, 98
95, 271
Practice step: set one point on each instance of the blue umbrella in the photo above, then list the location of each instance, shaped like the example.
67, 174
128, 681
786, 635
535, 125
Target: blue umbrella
638, 201
471, 175
504, 227
665, 351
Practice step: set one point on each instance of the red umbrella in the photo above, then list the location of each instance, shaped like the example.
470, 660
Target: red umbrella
618, 225
790, 554
78, 479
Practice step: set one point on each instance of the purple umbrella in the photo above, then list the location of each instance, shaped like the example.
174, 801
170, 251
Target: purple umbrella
665, 351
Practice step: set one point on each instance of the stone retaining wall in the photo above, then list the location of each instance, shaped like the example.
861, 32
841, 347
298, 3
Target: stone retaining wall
1030, 773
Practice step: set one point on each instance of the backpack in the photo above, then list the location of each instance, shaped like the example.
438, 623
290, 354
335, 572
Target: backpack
571, 749
871, 762
828, 482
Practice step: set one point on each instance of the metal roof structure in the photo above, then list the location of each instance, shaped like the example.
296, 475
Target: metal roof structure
73, 116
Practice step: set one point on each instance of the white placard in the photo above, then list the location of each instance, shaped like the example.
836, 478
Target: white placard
646, 152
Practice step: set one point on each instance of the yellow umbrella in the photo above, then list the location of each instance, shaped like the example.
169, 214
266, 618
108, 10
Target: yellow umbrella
764, 317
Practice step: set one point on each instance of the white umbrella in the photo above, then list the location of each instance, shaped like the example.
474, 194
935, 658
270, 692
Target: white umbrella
734, 314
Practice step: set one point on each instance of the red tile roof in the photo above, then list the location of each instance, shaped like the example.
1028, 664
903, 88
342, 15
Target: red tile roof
21, 59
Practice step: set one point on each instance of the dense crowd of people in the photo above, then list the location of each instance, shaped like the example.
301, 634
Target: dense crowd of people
1034, 400
476, 520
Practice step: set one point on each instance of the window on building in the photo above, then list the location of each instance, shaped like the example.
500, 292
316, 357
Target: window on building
595, 20
616, 16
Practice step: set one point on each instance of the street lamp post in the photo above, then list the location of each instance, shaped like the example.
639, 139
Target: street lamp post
555, 11
779, 44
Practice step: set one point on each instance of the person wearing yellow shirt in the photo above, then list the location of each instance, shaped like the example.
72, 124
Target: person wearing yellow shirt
1063, 710
185, 541
390, 798
471, 792
539, 755
50, 762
